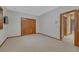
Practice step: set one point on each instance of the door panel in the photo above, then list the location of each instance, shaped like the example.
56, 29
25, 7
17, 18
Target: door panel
77, 28
64, 25
1, 18
28, 26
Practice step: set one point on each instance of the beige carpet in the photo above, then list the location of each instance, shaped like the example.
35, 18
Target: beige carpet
37, 43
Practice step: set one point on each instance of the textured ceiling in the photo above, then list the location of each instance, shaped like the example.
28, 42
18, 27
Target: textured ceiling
33, 10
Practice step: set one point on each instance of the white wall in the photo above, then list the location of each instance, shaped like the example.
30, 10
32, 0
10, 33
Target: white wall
3, 32
37, 24
50, 21
68, 25
14, 26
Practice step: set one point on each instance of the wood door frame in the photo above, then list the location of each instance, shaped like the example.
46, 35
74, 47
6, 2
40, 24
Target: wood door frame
27, 18
70, 24
1, 20
61, 37
76, 27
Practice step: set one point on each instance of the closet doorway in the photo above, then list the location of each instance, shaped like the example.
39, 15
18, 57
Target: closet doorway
69, 26
28, 26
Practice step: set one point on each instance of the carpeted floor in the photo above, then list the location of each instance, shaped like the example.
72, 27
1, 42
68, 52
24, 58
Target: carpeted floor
37, 43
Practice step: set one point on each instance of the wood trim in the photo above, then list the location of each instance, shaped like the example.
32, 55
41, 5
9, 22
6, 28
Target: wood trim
61, 38
1, 18
3, 42
68, 12
64, 28
14, 36
71, 23
21, 36
61, 27
29, 18
48, 36
75, 22
1, 9
21, 26
7, 38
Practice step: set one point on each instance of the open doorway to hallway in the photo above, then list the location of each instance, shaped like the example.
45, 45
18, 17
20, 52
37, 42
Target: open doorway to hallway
69, 26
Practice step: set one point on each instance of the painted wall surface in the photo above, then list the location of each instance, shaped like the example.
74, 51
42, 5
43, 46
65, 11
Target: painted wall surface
3, 32
68, 24
14, 26
50, 21
37, 24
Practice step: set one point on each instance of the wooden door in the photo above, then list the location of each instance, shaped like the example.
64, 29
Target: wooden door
1, 18
76, 28
64, 25
28, 26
